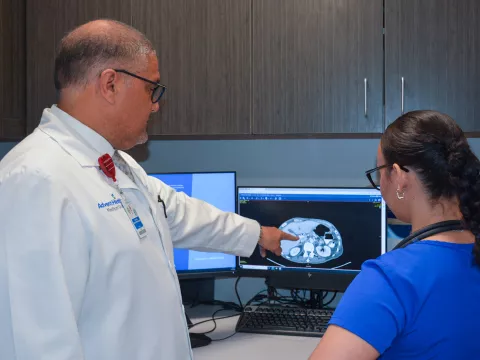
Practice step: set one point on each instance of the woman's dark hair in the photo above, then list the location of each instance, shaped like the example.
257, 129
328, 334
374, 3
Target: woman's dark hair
435, 147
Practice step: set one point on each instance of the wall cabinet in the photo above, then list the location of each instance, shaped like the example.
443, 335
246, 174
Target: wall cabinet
432, 58
264, 68
47, 22
317, 66
204, 52
12, 69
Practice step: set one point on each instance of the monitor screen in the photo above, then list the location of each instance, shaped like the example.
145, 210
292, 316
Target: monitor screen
217, 189
339, 229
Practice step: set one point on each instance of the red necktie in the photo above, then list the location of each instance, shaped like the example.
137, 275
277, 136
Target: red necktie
107, 166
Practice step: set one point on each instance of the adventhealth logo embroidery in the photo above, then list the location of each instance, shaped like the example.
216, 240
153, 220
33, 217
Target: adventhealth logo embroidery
111, 205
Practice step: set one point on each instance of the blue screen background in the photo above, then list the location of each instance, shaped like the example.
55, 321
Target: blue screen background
217, 189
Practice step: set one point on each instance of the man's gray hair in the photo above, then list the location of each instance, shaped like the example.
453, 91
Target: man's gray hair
91, 48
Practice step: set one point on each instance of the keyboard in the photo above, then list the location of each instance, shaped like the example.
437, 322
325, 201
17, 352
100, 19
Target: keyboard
281, 320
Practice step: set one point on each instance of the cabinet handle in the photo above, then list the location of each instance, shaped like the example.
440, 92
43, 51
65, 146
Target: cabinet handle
403, 94
365, 81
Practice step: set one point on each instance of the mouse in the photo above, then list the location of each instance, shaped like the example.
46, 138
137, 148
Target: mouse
199, 340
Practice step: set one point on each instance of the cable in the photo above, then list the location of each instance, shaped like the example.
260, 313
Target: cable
238, 295
297, 298
215, 325
331, 300
256, 297
227, 305
214, 321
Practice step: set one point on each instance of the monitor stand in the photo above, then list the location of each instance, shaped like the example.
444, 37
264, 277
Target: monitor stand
316, 295
197, 340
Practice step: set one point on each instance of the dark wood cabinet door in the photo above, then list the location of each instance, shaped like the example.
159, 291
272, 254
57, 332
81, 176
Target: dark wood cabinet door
204, 51
12, 69
47, 22
317, 66
434, 46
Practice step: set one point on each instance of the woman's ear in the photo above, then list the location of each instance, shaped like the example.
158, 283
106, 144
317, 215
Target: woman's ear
400, 178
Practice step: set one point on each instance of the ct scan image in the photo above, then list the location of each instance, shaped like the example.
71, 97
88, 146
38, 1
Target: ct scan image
319, 241
332, 235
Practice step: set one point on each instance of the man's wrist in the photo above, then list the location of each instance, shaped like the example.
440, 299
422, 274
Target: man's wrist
260, 235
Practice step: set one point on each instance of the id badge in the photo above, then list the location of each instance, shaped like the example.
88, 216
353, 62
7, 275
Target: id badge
133, 216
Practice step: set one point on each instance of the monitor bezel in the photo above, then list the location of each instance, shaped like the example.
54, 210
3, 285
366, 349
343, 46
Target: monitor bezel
205, 273
314, 280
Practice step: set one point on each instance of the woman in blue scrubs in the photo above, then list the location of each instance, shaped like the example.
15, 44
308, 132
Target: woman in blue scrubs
420, 301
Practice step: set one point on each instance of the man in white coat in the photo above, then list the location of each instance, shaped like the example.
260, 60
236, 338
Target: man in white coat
86, 260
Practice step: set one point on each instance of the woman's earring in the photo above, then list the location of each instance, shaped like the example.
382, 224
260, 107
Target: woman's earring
400, 195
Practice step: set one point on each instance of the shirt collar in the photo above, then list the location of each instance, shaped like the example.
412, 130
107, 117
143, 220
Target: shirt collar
80, 141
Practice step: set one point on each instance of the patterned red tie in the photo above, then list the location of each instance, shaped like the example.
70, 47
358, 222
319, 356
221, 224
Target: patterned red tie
107, 166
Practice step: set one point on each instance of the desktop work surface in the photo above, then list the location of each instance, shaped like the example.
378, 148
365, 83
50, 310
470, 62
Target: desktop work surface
243, 346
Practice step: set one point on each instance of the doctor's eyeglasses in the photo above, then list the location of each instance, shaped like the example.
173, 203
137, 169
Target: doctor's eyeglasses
375, 179
157, 91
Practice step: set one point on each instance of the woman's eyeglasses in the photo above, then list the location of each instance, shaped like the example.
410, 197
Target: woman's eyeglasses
375, 178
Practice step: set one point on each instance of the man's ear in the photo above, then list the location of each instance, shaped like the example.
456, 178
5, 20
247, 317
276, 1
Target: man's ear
108, 83
400, 178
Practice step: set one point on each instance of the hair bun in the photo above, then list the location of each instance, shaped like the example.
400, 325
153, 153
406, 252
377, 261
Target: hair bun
457, 158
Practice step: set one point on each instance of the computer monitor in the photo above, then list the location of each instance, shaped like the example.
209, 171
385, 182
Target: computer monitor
339, 229
219, 190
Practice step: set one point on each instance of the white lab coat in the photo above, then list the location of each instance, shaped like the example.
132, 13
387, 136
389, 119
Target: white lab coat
76, 282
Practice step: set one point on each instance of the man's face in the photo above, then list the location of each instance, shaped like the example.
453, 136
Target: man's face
135, 106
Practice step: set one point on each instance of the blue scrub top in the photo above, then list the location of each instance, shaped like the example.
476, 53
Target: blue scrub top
419, 302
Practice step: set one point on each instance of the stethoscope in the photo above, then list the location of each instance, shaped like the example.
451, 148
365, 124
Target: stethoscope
433, 229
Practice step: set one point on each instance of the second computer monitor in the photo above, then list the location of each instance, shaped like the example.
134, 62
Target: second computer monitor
339, 229
219, 190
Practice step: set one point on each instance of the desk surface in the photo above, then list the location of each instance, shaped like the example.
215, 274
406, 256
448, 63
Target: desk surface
245, 346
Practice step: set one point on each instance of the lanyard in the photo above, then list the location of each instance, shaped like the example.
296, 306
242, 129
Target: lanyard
108, 167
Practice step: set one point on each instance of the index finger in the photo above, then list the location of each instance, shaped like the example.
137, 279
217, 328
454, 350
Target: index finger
287, 236
263, 252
